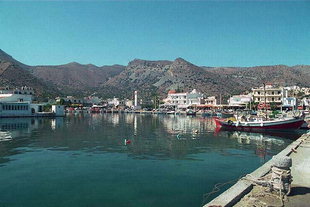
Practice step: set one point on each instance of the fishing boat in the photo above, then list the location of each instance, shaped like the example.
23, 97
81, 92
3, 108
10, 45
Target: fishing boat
260, 124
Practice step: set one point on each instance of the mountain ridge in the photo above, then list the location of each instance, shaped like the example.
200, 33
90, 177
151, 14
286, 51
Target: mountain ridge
150, 77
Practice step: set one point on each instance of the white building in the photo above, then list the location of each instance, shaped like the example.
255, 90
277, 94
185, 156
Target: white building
58, 110
211, 101
92, 100
116, 102
271, 93
18, 103
290, 102
15, 102
70, 99
23, 94
240, 100
183, 100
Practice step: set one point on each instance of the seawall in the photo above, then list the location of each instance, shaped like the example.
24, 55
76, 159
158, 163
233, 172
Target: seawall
231, 196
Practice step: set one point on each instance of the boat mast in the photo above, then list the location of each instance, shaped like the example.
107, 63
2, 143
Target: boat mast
265, 100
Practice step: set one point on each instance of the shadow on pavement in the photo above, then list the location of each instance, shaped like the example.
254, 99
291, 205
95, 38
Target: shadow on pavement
298, 190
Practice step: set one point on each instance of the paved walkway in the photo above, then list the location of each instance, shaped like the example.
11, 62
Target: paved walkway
300, 192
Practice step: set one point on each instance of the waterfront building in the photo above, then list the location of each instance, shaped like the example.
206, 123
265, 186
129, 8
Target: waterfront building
210, 101
23, 94
240, 100
305, 102
18, 103
70, 100
92, 100
273, 94
289, 102
183, 100
129, 103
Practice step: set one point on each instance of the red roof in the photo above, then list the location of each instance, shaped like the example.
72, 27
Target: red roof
172, 92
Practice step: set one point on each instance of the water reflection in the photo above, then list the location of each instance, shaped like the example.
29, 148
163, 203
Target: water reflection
152, 137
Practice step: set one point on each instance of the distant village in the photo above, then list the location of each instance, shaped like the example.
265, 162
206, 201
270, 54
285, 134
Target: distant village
20, 102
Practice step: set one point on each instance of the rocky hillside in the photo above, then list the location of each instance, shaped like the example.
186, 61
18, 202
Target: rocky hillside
76, 77
157, 77
277, 74
69, 79
149, 77
14, 76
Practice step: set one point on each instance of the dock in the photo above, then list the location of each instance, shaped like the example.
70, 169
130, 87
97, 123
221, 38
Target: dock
244, 193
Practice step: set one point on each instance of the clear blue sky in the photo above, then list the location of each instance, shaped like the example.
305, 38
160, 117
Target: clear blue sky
210, 33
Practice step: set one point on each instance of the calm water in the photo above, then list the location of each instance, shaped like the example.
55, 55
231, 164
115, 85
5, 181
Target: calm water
83, 161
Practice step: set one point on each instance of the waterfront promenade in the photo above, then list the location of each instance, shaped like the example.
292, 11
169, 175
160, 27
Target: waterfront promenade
299, 151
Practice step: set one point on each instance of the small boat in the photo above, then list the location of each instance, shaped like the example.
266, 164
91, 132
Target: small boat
207, 114
258, 124
227, 114
171, 112
191, 112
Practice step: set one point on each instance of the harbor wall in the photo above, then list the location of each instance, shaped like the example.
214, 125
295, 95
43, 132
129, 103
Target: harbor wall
231, 196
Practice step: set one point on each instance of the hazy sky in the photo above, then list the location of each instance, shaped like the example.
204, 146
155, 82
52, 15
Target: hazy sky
210, 33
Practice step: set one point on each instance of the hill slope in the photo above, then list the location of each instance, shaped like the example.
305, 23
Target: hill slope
75, 77
151, 77
148, 77
69, 79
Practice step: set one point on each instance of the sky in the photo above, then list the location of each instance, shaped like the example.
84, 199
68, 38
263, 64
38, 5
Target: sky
206, 33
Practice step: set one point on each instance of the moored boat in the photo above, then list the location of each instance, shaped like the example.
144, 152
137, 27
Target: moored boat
259, 124
190, 112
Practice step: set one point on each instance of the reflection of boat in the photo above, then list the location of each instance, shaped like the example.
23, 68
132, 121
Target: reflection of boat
261, 125
305, 125
293, 135
222, 114
256, 137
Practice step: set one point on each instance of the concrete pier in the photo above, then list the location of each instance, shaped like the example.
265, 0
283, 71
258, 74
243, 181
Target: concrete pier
243, 194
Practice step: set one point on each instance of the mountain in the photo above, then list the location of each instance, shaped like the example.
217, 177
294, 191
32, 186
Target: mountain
150, 78
74, 77
16, 74
69, 79
157, 77
276, 74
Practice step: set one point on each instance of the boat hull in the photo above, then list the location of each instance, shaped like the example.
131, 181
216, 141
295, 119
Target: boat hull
291, 124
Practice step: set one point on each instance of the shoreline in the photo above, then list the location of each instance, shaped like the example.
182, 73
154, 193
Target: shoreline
236, 192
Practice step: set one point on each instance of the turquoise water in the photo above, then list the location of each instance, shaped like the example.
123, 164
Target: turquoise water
82, 161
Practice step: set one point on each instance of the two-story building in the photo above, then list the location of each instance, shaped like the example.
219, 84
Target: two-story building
183, 99
18, 103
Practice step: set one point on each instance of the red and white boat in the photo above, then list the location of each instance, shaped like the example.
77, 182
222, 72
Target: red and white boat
293, 123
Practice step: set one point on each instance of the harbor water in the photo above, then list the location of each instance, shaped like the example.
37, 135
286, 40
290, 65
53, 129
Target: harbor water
124, 160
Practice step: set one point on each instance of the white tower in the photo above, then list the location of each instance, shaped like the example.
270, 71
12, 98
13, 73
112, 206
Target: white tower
136, 98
